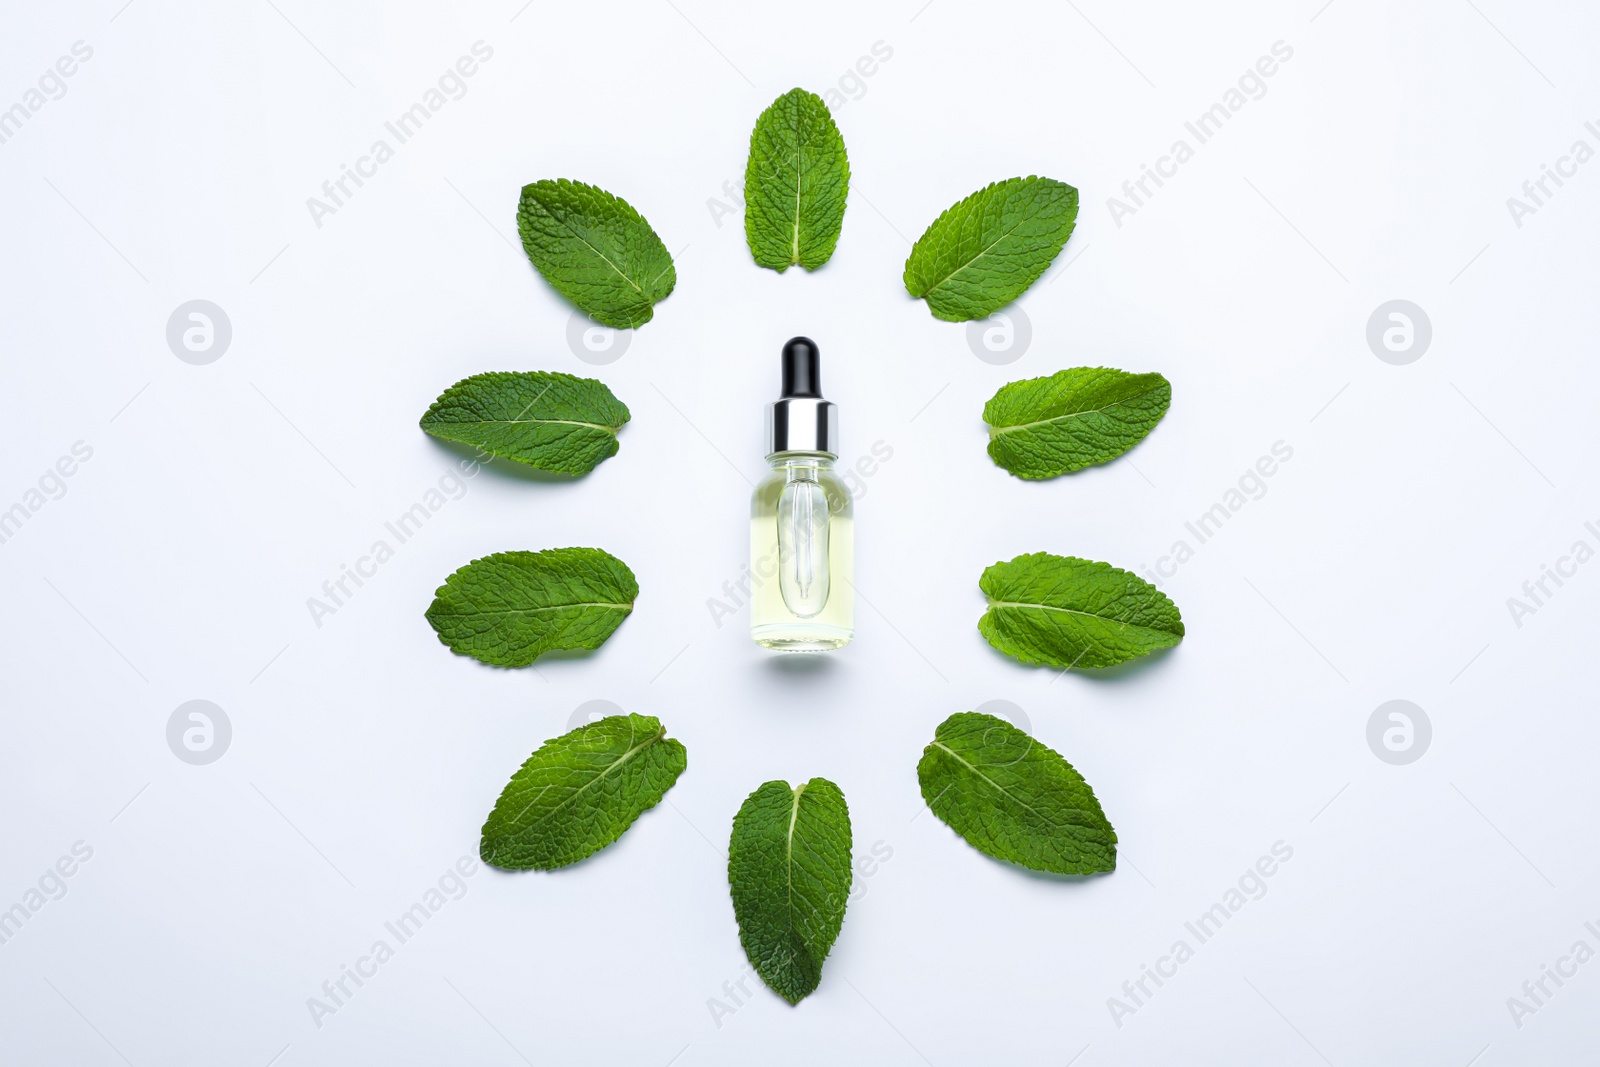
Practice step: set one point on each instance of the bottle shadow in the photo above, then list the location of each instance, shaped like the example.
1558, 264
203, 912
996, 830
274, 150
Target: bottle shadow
799, 666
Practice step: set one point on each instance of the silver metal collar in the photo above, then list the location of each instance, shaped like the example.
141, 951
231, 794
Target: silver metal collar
803, 424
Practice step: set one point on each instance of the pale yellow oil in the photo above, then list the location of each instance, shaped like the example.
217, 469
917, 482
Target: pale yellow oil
773, 621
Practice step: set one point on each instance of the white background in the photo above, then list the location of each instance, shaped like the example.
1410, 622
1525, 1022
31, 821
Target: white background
365, 755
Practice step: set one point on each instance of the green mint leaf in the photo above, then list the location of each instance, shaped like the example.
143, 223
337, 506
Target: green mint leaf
552, 421
984, 252
580, 792
789, 872
795, 183
1075, 418
1067, 612
596, 250
510, 608
1013, 798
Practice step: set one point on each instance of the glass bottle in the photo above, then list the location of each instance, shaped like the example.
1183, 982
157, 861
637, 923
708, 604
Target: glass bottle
802, 545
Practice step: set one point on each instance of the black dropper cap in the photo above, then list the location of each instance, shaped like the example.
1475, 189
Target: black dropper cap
801, 421
802, 369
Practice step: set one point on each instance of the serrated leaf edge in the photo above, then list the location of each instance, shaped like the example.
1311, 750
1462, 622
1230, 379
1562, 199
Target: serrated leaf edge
794, 245
790, 923
627, 609
649, 310
661, 736
996, 430
923, 295
519, 421
1023, 657
936, 743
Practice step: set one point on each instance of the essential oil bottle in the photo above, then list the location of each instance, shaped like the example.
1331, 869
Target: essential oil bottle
802, 545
